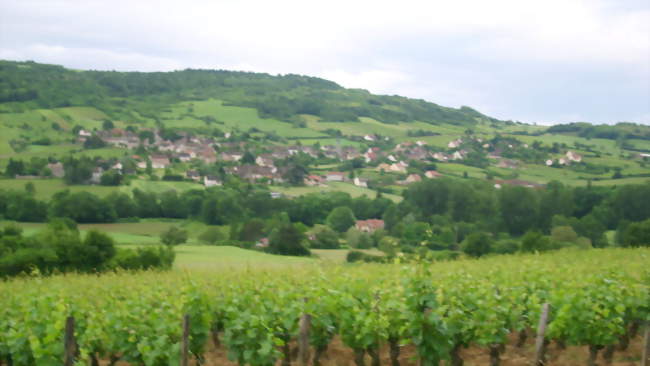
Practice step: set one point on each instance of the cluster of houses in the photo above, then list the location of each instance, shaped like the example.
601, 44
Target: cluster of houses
570, 157
188, 148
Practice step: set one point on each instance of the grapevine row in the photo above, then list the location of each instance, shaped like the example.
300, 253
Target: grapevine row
438, 309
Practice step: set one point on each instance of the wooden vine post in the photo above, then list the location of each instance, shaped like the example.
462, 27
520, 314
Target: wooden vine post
69, 343
540, 341
645, 360
303, 338
185, 344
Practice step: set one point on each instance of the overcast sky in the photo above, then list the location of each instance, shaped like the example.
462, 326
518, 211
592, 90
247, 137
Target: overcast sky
545, 61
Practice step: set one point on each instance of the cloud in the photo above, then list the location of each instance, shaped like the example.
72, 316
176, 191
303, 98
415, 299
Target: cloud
515, 59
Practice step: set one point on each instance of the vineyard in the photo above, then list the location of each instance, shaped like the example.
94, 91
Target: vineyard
598, 299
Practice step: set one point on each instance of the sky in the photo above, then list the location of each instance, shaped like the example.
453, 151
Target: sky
545, 62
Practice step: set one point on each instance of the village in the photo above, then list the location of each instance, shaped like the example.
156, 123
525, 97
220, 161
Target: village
264, 164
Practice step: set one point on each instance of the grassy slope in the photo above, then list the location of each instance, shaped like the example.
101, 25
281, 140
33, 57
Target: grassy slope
243, 119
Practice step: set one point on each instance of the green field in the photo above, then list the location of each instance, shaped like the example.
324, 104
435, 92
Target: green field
211, 257
349, 188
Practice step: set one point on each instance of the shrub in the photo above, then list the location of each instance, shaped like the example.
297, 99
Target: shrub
174, 236
325, 238
477, 244
212, 235
160, 257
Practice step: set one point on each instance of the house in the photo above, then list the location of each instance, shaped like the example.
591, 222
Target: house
193, 175
56, 169
369, 137
262, 243
432, 174
84, 133
314, 180
276, 195
458, 155
184, 157
399, 167
208, 156
253, 172
369, 156
231, 156
392, 158
264, 160
335, 177
440, 156
571, 156
369, 226
549, 162
96, 176
411, 178
211, 181
454, 144
361, 182
159, 161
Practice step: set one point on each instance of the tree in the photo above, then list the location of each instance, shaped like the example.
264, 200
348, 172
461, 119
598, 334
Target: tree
14, 167
111, 178
564, 234
288, 240
107, 125
518, 208
534, 241
341, 219
94, 142
30, 188
172, 205
100, 248
252, 230
122, 204
325, 238
637, 234
248, 158
82, 207
295, 174
477, 244
174, 236
212, 235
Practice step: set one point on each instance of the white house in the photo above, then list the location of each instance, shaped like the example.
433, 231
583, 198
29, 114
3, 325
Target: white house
360, 182
335, 177
573, 156
211, 181
432, 174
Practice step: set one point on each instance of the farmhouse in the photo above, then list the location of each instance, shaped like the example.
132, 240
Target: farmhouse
211, 181
361, 182
159, 161
314, 180
369, 226
56, 169
335, 177
432, 174
571, 156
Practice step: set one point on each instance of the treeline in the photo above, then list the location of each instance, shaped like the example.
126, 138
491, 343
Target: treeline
61, 248
621, 130
439, 214
284, 97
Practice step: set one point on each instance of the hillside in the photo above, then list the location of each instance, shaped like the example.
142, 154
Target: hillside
32, 85
43, 108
